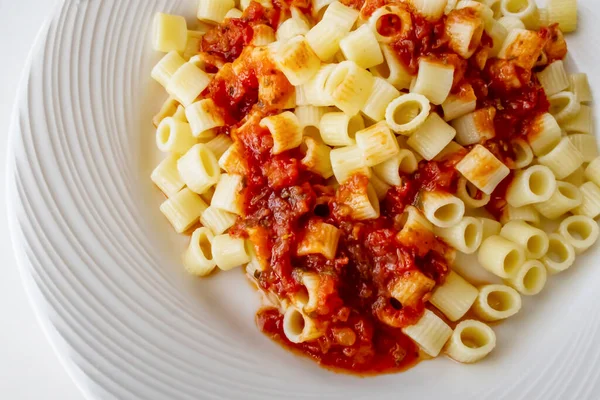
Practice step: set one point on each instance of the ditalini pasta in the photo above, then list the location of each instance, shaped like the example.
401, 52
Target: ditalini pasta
470, 342
345, 154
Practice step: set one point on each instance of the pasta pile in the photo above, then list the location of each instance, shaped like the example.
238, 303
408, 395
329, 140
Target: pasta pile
343, 150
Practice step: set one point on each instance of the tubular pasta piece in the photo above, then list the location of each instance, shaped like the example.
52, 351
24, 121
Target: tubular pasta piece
297, 60
166, 176
174, 136
565, 198
525, 10
349, 87
500, 256
465, 236
407, 113
535, 240
219, 221
496, 302
560, 256
389, 170
533, 185
285, 130
381, 96
347, 161
580, 123
431, 333
442, 208
482, 169
229, 252
490, 227
554, 78
455, 297
377, 143
392, 69
226, 195
199, 168
164, 70
530, 279
563, 160
564, 106
410, 287
187, 83
470, 342
586, 144
476, 127
543, 134
183, 209
434, 80
361, 47
170, 33
319, 238
203, 116
198, 258
580, 86
214, 10
590, 201
563, 12
339, 129
431, 137
526, 213
316, 157
459, 104
580, 231
464, 29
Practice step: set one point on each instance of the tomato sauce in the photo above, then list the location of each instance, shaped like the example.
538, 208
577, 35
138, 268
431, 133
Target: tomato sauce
281, 197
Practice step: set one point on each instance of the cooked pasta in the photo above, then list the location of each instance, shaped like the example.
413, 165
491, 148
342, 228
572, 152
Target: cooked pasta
455, 297
460, 104
187, 83
431, 137
361, 47
565, 198
564, 106
349, 86
580, 86
434, 80
475, 127
525, 10
431, 333
319, 238
592, 171
316, 157
229, 252
392, 69
580, 123
554, 78
344, 154
534, 240
166, 176
442, 209
526, 213
347, 161
590, 200
563, 12
560, 256
377, 143
389, 170
170, 33
490, 227
533, 185
164, 70
217, 220
564, 159
586, 144
174, 136
580, 231
544, 134
482, 169
183, 209
226, 195
465, 236
470, 342
523, 153
199, 168
496, 302
297, 60
530, 279
382, 94
407, 113
500, 256
339, 129
285, 130
198, 259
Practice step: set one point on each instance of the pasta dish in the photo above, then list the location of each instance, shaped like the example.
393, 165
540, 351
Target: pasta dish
342, 152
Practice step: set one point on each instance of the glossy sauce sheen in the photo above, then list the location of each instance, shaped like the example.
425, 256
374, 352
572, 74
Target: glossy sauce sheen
281, 196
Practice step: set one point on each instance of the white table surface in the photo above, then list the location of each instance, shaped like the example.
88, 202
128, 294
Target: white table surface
29, 368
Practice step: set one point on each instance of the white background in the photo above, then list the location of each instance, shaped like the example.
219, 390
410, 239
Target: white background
29, 369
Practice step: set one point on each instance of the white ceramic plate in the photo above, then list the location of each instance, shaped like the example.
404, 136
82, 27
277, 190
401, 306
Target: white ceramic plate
103, 268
